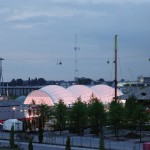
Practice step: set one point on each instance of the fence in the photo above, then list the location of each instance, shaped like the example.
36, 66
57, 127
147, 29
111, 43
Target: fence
87, 142
90, 142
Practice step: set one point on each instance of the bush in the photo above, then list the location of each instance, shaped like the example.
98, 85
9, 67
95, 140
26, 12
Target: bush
68, 147
11, 138
30, 146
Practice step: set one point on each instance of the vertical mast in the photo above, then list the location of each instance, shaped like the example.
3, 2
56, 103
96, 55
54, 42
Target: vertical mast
1, 75
115, 67
76, 48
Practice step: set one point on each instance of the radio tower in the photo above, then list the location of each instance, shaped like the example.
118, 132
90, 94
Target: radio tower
76, 48
1, 59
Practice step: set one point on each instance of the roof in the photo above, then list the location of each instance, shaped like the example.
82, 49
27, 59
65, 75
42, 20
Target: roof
57, 92
10, 103
20, 98
139, 93
82, 91
11, 120
51, 94
39, 97
105, 92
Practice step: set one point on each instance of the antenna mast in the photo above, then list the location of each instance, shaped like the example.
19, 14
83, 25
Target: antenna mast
1, 59
76, 48
115, 67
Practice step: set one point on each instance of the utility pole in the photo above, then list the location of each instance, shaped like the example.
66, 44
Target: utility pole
1, 59
115, 68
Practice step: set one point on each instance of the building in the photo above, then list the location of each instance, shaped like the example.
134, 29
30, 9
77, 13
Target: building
144, 80
25, 108
51, 94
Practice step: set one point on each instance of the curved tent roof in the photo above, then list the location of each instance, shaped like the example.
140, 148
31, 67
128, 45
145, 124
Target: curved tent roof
57, 92
82, 91
20, 98
39, 97
105, 92
53, 93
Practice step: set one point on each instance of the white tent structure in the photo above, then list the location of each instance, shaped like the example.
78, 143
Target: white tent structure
18, 126
51, 94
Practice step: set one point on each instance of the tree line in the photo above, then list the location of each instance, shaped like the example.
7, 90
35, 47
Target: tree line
42, 81
33, 82
95, 115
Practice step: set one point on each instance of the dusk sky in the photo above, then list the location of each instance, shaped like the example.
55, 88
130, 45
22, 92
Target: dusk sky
34, 34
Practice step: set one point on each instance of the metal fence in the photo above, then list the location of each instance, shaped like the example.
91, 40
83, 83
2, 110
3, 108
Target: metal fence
90, 142
86, 142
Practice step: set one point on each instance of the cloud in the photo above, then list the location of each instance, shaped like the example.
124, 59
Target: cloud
31, 14
23, 26
101, 1
45, 28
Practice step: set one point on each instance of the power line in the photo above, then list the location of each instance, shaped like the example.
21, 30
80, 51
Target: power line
81, 58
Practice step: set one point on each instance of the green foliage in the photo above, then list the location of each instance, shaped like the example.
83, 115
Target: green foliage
40, 132
101, 144
96, 113
30, 146
141, 116
84, 81
68, 147
78, 116
129, 112
135, 114
60, 112
116, 115
45, 112
11, 139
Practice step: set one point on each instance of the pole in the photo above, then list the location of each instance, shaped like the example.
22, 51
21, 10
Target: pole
115, 67
1, 59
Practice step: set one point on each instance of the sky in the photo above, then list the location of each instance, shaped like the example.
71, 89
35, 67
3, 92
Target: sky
36, 34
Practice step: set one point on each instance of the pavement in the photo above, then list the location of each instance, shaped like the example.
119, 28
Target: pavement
37, 146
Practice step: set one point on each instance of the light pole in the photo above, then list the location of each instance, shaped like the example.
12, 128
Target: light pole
13, 109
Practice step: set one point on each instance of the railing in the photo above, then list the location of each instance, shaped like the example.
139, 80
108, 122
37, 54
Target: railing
81, 141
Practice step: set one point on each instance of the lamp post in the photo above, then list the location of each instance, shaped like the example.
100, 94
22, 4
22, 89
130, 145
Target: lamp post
13, 109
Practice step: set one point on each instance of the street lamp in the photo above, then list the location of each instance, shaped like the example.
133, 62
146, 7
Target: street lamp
14, 108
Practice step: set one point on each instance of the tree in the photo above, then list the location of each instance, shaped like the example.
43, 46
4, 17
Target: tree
141, 117
78, 116
41, 81
84, 81
11, 139
101, 80
45, 112
30, 146
116, 115
13, 82
130, 114
40, 132
19, 82
96, 113
101, 144
34, 81
68, 147
60, 112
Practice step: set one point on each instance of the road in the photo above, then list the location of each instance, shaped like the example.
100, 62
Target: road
37, 146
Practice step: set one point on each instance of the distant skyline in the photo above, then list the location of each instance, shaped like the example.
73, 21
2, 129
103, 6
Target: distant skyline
35, 34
